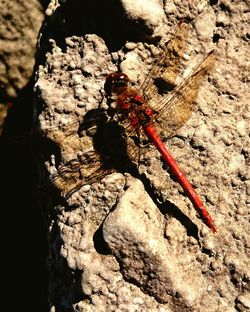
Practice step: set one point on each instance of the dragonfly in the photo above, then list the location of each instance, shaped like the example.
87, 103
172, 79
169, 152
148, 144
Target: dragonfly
145, 112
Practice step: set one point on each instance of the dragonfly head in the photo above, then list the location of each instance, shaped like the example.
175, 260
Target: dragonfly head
116, 83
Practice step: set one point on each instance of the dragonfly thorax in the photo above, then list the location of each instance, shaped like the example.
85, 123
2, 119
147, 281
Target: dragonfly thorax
127, 101
132, 105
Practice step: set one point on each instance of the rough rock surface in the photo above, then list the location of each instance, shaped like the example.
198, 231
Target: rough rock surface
20, 23
120, 245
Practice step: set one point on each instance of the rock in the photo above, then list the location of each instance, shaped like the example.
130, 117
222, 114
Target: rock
20, 23
111, 246
133, 232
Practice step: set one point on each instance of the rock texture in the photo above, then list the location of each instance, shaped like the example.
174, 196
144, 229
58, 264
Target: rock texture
117, 244
20, 24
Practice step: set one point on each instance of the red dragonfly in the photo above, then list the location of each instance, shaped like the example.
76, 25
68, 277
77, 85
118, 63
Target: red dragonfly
135, 107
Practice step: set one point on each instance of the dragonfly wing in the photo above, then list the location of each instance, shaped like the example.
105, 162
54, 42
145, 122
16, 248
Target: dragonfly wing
76, 173
136, 141
176, 109
168, 65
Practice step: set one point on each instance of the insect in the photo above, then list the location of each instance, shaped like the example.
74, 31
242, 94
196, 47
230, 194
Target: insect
142, 110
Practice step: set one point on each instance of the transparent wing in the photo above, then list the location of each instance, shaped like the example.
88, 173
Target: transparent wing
168, 64
78, 172
114, 150
175, 109
136, 140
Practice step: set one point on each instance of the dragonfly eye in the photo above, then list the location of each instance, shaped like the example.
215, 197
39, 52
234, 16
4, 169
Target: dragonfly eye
108, 84
121, 80
115, 82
